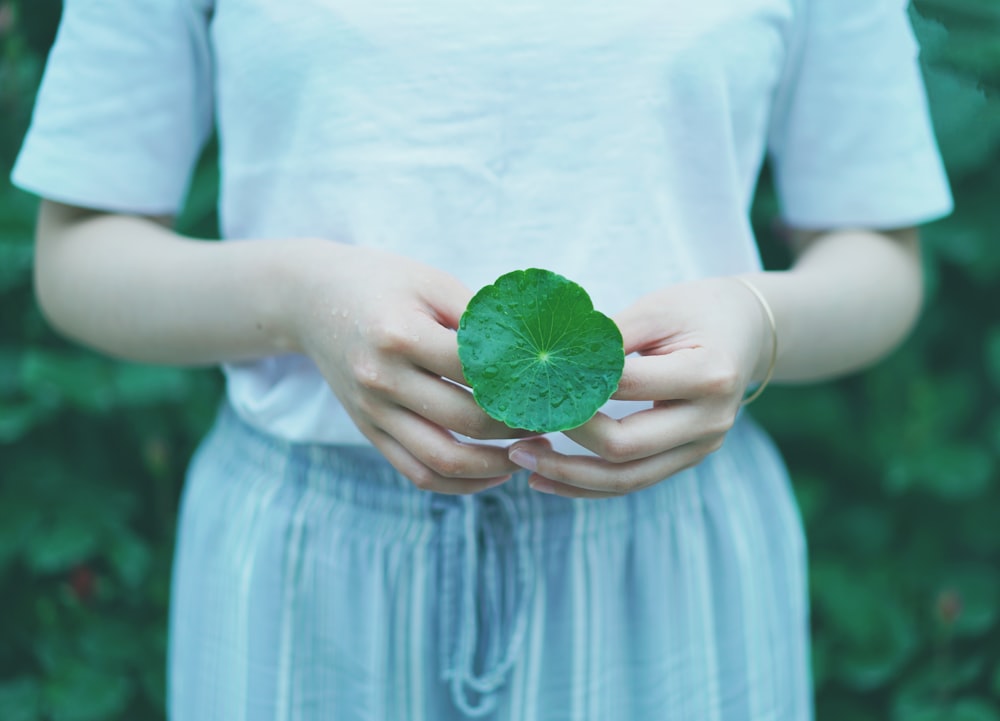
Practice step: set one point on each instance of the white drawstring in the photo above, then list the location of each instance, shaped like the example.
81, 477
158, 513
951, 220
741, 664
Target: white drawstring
464, 529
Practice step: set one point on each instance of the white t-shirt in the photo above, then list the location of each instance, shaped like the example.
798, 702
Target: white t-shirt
618, 144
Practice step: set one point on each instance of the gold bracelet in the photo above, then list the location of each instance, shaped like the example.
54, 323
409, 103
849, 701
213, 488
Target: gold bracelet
774, 340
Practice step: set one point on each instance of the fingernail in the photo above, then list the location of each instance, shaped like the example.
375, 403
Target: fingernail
524, 459
542, 486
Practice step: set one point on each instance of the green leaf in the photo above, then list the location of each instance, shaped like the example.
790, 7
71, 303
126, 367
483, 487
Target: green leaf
80, 378
10, 370
537, 354
967, 239
928, 712
18, 521
974, 709
844, 708
97, 384
820, 659
967, 671
153, 684
966, 120
812, 494
19, 419
199, 214
20, 700
15, 265
985, 12
867, 530
996, 681
68, 541
81, 693
932, 35
139, 385
817, 409
924, 695
18, 211
131, 559
956, 471
113, 644
978, 528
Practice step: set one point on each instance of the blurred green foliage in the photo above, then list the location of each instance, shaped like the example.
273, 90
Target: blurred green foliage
895, 469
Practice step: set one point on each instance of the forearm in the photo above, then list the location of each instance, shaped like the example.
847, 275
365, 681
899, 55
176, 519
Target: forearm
850, 298
133, 289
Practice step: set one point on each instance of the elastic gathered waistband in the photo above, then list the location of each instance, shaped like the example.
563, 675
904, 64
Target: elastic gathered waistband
361, 477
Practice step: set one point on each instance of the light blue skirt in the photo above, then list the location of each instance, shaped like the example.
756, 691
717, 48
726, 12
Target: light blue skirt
313, 583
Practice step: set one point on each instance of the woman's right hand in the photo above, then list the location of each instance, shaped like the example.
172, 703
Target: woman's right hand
381, 329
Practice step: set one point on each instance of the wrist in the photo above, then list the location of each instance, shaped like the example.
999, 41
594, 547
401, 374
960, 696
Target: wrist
304, 273
285, 272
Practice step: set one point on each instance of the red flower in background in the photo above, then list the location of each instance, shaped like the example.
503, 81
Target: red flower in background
948, 606
82, 582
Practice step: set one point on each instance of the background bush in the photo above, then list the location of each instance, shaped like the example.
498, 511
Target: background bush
896, 469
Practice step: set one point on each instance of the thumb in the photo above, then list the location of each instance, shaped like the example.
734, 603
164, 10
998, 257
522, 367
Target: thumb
446, 298
639, 327
678, 375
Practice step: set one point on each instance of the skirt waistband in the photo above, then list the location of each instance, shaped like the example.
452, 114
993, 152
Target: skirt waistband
361, 477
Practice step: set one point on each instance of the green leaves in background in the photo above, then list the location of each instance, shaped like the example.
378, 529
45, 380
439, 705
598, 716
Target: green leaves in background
873, 634
92, 456
21, 699
897, 471
35, 384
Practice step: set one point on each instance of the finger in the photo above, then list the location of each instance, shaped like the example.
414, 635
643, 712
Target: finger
421, 340
686, 374
639, 327
422, 476
435, 349
546, 485
653, 431
450, 406
595, 474
437, 449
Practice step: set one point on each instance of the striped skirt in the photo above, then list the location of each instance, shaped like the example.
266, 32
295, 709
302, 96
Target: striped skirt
313, 583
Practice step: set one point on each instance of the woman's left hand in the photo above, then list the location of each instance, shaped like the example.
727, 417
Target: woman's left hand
699, 345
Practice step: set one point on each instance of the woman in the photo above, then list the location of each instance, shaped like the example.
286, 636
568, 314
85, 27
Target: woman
358, 539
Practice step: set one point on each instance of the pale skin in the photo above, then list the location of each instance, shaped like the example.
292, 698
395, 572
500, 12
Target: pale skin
380, 328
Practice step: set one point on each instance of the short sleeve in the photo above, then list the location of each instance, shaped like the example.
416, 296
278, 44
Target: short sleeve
124, 108
851, 141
